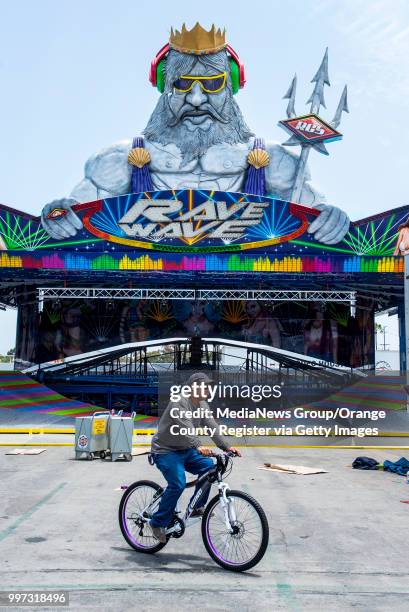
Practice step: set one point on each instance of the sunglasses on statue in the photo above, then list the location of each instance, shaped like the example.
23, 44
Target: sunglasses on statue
209, 84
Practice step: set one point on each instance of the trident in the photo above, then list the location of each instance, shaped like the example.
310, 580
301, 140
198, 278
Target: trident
320, 79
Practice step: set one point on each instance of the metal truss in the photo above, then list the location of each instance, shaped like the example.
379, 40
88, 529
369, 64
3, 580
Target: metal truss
96, 293
276, 295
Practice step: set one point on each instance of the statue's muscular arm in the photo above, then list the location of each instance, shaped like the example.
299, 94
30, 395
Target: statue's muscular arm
106, 174
332, 223
280, 175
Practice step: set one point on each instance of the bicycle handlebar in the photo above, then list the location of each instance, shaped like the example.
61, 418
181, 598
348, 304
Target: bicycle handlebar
224, 454
222, 459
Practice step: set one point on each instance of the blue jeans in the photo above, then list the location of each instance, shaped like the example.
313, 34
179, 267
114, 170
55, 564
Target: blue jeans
173, 466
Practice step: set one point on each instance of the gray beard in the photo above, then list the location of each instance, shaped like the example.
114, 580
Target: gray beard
194, 143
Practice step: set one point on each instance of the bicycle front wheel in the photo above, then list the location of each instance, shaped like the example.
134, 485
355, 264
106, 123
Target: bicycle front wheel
243, 547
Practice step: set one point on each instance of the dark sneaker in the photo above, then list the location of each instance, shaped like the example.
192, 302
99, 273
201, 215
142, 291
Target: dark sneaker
159, 533
197, 512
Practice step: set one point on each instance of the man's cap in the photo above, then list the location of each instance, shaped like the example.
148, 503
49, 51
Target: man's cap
198, 377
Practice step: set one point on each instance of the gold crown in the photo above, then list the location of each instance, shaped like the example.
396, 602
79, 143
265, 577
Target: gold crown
197, 40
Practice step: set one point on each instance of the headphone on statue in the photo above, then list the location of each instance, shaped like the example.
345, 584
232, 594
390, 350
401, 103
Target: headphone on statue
157, 73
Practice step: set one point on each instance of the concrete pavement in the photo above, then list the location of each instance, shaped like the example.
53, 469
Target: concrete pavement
338, 541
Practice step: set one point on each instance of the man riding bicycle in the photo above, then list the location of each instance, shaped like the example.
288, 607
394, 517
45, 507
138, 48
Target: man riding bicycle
173, 453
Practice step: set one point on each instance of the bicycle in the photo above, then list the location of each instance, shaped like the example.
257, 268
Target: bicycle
234, 526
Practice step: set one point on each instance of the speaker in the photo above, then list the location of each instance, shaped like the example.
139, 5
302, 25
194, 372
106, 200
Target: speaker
157, 73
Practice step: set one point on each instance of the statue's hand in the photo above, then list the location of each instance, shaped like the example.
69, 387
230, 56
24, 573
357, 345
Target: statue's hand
59, 220
330, 226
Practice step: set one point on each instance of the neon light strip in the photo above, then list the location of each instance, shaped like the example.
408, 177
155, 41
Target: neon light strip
212, 262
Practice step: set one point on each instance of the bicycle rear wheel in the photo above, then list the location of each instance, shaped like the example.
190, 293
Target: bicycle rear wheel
141, 497
245, 547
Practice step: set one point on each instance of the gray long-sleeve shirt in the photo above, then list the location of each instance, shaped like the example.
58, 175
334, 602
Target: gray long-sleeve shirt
174, 417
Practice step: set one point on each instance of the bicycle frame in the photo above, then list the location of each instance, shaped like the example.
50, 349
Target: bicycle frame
203, 485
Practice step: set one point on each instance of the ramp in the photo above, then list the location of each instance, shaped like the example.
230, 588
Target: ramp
22, 399
25, 401
376, 392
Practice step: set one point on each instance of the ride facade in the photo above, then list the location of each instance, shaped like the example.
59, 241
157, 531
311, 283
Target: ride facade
200, 228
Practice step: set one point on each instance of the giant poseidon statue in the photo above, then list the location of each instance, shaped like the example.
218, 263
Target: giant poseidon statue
196, 138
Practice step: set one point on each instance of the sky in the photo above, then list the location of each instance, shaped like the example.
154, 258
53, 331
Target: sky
73, 79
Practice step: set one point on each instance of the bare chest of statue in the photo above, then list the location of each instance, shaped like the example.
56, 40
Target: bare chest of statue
222, 167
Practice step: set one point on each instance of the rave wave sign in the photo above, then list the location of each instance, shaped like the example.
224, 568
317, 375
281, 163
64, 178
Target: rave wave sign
195, 220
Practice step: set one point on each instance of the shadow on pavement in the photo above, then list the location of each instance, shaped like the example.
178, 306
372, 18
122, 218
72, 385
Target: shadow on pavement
162, 560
